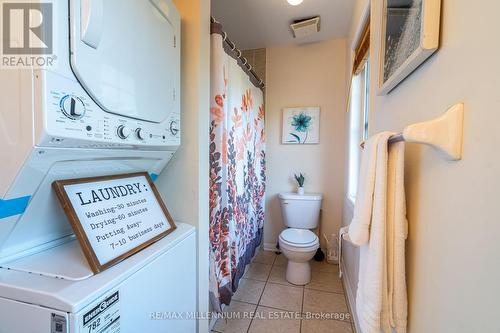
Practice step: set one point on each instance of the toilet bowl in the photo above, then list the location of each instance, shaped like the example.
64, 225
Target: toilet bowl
298, 246
297, 242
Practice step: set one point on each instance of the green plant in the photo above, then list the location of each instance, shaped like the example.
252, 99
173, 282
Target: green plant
300, 179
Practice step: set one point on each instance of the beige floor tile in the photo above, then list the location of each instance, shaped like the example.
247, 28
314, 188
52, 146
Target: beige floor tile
282, 297
325, 326
331, 304
239, 316
274, 321
280, 260
264, 257
258, 271
323, 266
249, 291
278, 275
325, 281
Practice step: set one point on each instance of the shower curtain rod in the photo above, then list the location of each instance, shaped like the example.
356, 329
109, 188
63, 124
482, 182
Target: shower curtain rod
230, 48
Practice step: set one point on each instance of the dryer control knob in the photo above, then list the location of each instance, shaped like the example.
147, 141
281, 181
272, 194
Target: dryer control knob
139, 133
174, 128
123, 132
72, 107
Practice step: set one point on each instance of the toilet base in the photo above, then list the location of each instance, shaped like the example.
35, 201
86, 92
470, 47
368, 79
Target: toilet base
298, 273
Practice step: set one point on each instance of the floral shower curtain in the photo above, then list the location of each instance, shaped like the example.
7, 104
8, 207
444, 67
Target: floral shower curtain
237, 172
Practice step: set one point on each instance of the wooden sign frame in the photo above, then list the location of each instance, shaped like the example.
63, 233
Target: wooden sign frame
80, 233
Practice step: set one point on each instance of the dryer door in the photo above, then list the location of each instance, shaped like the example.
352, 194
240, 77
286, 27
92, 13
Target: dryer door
125, 53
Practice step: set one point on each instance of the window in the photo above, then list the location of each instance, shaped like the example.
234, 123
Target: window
358, 111
358, 124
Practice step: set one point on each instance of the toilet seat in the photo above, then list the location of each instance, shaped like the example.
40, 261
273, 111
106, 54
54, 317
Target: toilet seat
298, 239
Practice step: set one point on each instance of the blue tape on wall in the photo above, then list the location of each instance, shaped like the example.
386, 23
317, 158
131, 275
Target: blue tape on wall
13, 207
153, 176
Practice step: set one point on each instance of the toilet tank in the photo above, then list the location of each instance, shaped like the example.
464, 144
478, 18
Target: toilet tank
300, 211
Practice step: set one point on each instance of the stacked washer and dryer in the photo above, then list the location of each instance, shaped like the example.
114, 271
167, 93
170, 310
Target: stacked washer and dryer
111, 105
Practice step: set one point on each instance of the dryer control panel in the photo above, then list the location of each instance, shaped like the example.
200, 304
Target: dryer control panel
73, 119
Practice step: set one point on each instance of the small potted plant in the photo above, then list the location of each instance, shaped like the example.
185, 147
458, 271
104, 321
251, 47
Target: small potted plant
300, 181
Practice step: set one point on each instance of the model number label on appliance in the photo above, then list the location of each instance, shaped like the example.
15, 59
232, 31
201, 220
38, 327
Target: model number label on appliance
104, 317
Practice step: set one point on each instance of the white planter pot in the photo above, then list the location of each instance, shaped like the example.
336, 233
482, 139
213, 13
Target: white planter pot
300, 190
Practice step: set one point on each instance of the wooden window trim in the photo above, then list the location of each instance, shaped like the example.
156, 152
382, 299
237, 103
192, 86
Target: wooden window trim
362, 50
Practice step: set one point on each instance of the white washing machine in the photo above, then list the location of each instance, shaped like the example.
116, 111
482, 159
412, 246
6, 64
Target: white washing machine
110, 105
55, 291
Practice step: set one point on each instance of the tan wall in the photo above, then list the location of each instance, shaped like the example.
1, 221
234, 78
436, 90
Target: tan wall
184, 183
257, 59
308, 75
453, 249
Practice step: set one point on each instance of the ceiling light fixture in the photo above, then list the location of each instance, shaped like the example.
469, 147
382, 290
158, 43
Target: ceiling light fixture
294, 2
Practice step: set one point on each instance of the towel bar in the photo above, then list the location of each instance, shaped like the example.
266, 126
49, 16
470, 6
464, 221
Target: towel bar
444, 133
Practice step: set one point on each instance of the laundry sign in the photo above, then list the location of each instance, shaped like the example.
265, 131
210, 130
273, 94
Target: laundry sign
114, 217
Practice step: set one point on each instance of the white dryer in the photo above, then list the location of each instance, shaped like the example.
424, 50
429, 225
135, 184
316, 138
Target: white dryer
110, 105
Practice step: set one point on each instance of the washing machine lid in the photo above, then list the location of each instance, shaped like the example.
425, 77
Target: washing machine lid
125, 54
299, 237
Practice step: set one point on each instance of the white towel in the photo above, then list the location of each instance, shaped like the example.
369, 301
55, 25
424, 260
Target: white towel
398, 230
379, 228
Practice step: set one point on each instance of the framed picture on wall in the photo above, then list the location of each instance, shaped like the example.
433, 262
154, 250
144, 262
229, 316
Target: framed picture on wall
410, 35
301, 125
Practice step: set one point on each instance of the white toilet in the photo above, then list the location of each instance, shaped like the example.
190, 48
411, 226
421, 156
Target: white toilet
297, 242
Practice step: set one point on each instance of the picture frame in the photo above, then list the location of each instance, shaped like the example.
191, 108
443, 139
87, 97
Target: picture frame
301, 125
88, 244
409, 36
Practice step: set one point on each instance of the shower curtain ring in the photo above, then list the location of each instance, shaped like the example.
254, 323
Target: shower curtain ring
245, 61
239, 53
225, 36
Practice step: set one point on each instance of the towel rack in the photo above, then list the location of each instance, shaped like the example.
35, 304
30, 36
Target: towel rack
444, 133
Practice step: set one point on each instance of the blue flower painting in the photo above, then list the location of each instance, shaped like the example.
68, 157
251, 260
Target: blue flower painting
301, 125
301, 122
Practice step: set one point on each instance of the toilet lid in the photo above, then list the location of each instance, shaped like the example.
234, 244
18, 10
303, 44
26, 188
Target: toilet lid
298, 237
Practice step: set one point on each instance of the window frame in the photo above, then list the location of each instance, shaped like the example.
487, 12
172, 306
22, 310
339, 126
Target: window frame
360, 63
358, 122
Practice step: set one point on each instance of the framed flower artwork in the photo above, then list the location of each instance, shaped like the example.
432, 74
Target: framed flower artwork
301, 125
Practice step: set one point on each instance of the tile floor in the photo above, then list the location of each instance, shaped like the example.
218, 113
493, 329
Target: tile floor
266, 303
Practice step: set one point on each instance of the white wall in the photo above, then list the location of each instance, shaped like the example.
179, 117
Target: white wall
453, 249
184, 183
308, 75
